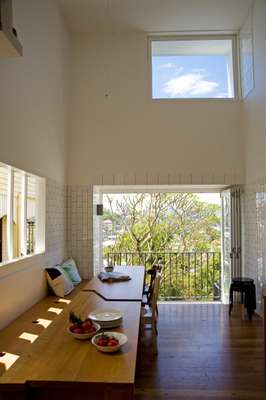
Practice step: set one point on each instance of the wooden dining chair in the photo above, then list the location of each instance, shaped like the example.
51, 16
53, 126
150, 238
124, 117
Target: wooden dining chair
148, 290
149, 314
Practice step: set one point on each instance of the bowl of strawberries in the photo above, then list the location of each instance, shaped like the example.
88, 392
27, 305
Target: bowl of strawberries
82, 329
109, 342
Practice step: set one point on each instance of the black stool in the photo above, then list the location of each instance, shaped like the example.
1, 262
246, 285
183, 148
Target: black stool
246, 287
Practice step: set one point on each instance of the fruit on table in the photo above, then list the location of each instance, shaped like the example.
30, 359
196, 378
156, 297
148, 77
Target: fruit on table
79, 326
105, 340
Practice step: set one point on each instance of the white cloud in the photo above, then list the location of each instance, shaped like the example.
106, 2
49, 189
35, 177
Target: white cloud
167, 66
192, 84
199, 70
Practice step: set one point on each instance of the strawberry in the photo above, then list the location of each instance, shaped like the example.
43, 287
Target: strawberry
73, 327
113, 342
86, 325
78, 330
101, 342
104, 340
89, 329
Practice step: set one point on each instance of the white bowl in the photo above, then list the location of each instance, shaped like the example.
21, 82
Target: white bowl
111, 324
121, 337
107, 318
85, 336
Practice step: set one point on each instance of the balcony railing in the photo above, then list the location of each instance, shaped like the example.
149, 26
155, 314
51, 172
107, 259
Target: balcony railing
185, 276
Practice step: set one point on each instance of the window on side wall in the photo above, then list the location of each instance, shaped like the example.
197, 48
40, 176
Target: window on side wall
193, 68
22, 213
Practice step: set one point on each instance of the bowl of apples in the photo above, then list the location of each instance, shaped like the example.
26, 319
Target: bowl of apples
109, 342
82, 329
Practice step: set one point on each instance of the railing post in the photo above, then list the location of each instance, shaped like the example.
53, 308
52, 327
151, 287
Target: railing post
201, 282
182, 267
188, 269
207, 275
213, 274
220, 275
195, 275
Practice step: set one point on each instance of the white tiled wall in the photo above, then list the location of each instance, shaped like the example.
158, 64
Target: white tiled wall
56, 222
255, 236
80, 232
80, 208
246, 55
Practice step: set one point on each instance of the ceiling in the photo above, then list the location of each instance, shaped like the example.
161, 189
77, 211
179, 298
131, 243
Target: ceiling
154, 15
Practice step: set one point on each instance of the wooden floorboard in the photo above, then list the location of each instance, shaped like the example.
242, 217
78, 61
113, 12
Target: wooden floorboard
203, 354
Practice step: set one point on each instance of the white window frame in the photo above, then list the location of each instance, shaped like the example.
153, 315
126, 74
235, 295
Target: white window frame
234, 37
40, 215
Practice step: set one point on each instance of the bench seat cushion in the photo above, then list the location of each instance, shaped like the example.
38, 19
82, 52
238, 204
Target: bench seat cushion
71, 269
59, 281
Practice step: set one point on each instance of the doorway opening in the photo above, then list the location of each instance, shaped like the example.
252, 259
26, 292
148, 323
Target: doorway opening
185, 229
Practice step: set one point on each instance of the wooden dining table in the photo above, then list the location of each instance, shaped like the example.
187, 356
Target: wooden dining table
131, 290
59, 366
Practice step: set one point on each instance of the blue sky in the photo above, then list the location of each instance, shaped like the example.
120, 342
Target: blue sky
189, 76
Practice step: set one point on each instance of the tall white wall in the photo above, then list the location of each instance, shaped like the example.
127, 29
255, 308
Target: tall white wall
253, 108
119, 135
32, 137
254, 127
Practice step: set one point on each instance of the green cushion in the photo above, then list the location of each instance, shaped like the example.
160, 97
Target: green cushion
70, 268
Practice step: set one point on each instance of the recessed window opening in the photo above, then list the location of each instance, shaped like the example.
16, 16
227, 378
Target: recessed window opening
193, 68
22, 213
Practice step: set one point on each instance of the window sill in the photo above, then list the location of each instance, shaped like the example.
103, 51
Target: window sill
19, 264
192, 100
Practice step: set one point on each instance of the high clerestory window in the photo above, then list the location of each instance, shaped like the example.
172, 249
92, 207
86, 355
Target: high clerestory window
193, 67
22, 213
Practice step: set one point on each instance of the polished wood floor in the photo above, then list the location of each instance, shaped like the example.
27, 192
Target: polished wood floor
203, 355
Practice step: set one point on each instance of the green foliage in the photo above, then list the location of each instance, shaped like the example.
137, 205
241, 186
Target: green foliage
164, 221
163, 226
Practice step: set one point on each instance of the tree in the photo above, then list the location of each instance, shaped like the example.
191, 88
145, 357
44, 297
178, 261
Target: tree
164, 221
178, 228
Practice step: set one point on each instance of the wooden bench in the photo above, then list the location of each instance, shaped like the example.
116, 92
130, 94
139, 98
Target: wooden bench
17, 337
49, 364
58, 366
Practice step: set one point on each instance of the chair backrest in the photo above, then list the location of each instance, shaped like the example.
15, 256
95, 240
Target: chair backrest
156, 289
152, 272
